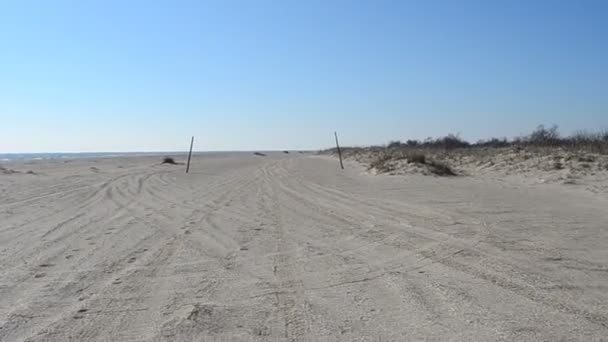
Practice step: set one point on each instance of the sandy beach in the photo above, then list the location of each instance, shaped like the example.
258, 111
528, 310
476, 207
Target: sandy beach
288, 247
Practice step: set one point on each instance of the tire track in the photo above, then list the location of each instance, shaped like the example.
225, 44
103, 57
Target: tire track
290, 294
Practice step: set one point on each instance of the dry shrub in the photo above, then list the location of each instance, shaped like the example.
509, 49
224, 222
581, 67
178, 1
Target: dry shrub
417, 158
380, 163
440, 169
169, 160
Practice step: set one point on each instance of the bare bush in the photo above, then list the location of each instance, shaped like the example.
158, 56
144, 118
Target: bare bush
417, 158
394, 144
542, 136
450, 141
440, 169
169, 160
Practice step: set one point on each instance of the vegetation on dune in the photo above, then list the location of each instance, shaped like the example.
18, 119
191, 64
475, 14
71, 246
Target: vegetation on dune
386, 161
541, 137
438, 156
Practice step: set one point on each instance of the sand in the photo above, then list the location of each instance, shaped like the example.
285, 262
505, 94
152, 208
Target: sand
288, 247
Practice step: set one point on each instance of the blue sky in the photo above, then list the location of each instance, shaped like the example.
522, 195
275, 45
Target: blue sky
146, 75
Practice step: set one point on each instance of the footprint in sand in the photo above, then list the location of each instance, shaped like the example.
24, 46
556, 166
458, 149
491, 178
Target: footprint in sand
46, 265
40, 275
132, 260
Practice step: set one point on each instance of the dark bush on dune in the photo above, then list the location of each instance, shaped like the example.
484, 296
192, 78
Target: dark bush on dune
168, 160
596, 142
384, 162
493, 142
542, 136
440, 169
394, 144
416, 158
259, 154
286, 152
380, 163
450, 141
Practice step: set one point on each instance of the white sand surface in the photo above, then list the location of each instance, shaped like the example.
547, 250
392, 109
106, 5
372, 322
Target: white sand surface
288, 247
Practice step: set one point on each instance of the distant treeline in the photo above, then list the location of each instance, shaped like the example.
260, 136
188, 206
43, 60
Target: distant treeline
540, 137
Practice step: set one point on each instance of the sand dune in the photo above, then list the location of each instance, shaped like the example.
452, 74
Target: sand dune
290, 247
530, 164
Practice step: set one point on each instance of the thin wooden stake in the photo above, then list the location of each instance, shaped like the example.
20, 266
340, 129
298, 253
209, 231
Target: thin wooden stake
189, 155
339, 152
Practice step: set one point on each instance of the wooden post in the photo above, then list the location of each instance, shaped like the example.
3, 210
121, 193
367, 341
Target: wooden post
339, 152
189, 155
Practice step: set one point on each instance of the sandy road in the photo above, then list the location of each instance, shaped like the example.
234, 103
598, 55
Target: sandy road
292, 248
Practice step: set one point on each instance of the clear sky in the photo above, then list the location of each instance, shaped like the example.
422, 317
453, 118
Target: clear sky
130, 75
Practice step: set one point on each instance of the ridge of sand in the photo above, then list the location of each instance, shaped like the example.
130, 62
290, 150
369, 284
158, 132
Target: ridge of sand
532, 165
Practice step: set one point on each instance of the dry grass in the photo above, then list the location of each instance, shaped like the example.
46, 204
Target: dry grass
391, 160
440, 169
